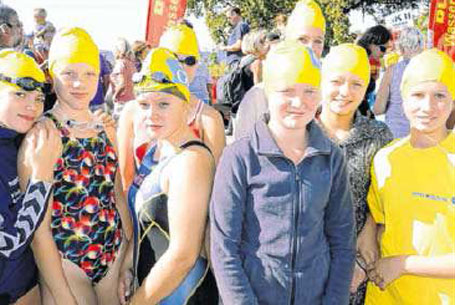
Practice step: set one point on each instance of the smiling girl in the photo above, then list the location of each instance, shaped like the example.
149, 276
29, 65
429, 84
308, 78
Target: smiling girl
21, 213
412, 193
345, 77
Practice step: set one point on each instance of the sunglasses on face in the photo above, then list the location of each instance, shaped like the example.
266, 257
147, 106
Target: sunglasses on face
189, 60
27, 83
383, 48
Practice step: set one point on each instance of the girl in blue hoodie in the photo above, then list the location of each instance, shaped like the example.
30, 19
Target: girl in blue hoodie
21, 104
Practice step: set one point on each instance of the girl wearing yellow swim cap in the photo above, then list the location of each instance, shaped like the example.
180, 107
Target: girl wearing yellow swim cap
413, 182
204, 120
306, 24
281, 211
79, 245
169, 197
345, 76
21, 104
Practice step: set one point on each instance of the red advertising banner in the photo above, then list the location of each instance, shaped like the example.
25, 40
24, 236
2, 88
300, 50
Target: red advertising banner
161, 14
442, 25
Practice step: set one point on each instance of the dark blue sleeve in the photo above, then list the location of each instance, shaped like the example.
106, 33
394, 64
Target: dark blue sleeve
339, 229
238, 32
244, 29
15, 236
226, 218
104, 69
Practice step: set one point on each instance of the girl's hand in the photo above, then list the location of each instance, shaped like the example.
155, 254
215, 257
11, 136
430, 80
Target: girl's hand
44, 150
109, 124
124, 286
387, 270
358, 278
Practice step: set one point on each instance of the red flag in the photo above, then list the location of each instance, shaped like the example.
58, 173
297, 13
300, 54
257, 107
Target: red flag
161, 14
442, 25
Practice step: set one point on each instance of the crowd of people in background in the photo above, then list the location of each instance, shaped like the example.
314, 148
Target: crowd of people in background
118, 186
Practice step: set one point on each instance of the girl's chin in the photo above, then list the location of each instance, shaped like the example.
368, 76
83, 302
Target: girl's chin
296, 124
77, 104
427, 128
22, 128
340, 110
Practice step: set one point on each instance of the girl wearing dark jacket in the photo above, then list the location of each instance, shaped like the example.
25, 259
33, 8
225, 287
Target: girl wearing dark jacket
21, 103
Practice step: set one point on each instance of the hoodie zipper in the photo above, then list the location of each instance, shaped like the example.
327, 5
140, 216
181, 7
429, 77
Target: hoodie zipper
294, 241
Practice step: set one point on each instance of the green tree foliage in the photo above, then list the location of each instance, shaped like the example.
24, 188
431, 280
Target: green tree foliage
421, 22
337, 21
260, 14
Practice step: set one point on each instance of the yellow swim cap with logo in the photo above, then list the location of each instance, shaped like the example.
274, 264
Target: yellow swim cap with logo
430, 65
72, 46
162, 72
347, 57
180, 39
289, 63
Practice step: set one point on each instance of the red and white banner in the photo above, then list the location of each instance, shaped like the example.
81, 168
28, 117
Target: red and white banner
442, 25
161, 14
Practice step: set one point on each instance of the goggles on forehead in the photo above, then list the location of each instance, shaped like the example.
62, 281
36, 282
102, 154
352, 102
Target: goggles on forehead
26, 83
158, 77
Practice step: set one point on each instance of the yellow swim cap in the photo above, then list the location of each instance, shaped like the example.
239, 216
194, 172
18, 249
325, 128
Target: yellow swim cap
307, 13
289, 63
180, 39
72, 46
347, 57
430, 65
162, 72
18, 65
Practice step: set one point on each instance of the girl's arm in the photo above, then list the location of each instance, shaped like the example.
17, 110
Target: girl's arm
380, 105
125, 136
390, 268
227, 213
44, 248
126, 275
15, 237
367, 242
213, 131
122, 207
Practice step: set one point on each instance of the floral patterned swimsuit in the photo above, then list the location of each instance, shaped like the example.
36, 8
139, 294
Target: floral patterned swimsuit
86, 225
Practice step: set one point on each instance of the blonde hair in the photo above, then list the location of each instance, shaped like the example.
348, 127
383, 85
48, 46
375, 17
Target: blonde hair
254, 42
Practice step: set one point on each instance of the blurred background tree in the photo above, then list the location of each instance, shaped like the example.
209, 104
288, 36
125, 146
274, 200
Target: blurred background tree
260, 14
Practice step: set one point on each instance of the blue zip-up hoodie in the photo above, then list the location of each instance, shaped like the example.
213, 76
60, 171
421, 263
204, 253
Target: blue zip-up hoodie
20, 216
282, 234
